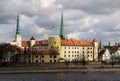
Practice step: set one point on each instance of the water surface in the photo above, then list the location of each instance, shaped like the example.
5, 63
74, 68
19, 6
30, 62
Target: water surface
95, 76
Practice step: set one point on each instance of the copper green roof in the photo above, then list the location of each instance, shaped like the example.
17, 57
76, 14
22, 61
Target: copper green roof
62, 36
18, 26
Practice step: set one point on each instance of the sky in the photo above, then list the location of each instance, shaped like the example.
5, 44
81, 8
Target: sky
83, 19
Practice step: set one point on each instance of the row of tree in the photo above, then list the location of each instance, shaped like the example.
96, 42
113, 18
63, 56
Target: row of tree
76, 62
8, 54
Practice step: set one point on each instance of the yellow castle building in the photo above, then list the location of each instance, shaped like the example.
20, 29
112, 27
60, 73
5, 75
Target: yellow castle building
55, 49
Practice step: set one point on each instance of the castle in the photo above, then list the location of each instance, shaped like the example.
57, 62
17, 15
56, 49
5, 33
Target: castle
55, 49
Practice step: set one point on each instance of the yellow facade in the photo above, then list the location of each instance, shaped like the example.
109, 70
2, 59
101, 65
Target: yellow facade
34, 58
54, 43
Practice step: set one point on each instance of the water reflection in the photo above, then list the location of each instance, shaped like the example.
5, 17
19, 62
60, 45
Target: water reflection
99, 76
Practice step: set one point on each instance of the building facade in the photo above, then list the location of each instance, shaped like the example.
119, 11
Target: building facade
55, 48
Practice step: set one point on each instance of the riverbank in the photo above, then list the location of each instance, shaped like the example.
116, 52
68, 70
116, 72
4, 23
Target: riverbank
59, 67
37, 70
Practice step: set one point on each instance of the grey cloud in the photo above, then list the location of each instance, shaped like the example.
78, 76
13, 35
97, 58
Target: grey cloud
92, 6
75, 11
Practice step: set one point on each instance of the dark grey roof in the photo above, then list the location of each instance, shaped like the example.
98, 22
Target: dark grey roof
32, 38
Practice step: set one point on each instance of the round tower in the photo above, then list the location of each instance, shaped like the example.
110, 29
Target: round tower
32, 41
54, 43
95, 49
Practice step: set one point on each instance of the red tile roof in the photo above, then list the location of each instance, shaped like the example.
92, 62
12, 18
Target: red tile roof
76, 43
25, 43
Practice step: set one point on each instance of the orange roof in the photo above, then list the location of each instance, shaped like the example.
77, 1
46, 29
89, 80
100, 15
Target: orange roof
25, 43
95, 40
76, 43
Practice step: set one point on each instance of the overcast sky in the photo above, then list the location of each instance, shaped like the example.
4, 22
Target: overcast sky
83, 19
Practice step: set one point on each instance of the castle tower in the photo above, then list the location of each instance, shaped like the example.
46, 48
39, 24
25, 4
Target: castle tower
62, 36
95, 49
54, 44
18, 37
32, 41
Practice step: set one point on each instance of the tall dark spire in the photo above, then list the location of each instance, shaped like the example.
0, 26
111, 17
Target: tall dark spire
18, 26
62, 36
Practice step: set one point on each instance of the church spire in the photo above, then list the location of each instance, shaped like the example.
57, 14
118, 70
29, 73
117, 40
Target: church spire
18, 37
18, 27
62, 36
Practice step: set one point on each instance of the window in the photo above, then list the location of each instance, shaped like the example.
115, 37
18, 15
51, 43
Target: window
83, 48
83, 51
42, 56
64, 55
36, 61
69, 47
50, 61
68, 51
72, 55
51, 47
54, 56
36, 56
65, 47
42, 61
77, 51
88, 55
54, 42
72, 47
64, 51
68, 55
50, 56
91, 55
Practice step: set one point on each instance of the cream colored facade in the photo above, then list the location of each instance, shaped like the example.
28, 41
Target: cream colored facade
77, 52
65, 52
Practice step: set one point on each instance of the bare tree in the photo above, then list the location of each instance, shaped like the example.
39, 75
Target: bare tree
112, 61
104, 62
76, 61
67, 62
83, 61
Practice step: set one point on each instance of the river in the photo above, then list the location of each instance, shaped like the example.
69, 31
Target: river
73, 76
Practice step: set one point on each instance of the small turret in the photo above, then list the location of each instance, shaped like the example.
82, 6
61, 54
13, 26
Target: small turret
95, 49
32, 41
